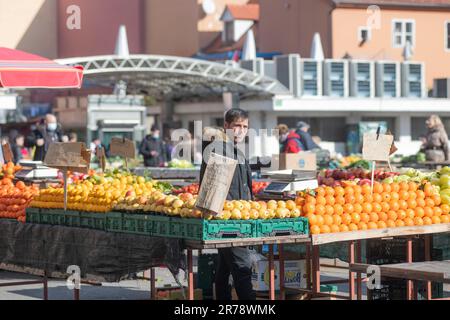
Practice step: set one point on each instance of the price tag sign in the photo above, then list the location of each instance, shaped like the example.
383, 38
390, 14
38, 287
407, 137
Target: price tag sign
72, 156
7, 153
122, 147
377, 147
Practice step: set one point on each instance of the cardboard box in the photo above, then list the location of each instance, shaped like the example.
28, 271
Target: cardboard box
177, 294
306, 161
294, 274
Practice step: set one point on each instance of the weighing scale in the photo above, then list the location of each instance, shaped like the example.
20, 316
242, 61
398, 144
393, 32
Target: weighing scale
36, 170
290, 181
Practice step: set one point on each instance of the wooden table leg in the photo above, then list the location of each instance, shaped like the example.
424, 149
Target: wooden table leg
409, 259
76, 294
316, 269
428, 258
271, 274
358, 274
351, 274
281, 262
45, 286
308, 266
190, 275
152, 284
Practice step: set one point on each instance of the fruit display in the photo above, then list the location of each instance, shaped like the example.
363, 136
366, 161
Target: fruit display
192, 189
355, 207
180, 164
258, 187
8, 170
14, 199
333, 178
344, 162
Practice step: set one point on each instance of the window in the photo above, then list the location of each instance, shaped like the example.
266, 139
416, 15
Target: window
403, 31
447, 35
364, 35
229, 31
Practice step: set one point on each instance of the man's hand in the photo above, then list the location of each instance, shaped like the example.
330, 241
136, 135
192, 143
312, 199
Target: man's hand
154, 153
40, 142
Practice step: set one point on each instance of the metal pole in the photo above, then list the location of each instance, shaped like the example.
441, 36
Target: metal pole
316, 269
358, 274
308, 266
190, 275
271, 274
281, 261
409, 259
428, 258
45, 286
351, 279
152, 284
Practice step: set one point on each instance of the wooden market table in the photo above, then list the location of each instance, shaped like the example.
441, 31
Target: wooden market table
352, 239
428, 271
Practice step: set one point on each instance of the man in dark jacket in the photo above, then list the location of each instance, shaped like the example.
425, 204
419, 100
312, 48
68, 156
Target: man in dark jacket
234, 261
305, 138
43, 135
153, 149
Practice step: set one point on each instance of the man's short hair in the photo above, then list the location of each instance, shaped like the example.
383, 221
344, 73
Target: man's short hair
235, 114
302, 124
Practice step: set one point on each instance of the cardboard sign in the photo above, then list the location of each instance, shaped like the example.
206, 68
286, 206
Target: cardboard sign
393, 147
122, 147
71, 156
216, 183
7, 153
377, 147
303, 161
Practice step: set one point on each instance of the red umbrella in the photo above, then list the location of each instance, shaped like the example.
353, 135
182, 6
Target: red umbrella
20, 69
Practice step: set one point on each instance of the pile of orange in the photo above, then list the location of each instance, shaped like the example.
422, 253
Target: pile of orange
15, 198
354, 207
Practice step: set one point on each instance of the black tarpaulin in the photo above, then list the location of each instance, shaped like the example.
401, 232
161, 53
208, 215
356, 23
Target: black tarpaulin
111, 256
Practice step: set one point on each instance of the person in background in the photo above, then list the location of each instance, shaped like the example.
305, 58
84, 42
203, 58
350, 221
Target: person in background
235, 260
18, 148
436, 140
45, 133
305, 136
65, 138
153, 149
289, 140
73, 137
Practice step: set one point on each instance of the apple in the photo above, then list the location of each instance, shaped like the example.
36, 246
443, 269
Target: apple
186, 196
177, 203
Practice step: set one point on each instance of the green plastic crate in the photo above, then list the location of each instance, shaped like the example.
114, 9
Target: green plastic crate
33, 215
137, 224
93, 220
281, 227
160, 226
114, 221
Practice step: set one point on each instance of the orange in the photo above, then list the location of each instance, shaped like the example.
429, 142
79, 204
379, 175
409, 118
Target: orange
325, 229
386, 187
429, 202
401, 214
309, 208
372, 225
330, 200
357, 207
328, 220
320, 209
404, 194
428, 212
357, 189
392, 215
395, 187
428, 189
320, 220
403, 186
329, 209
385, 207
338, 209
359, 198
386, 196
445, 208
329, 191
368, 198
334, 228
376, 207
337, 219
412, 204
321, 200
312, 218
343, 228
377, 197
413, 186
349, 190
320, 191
419, 212
445, 218
421, 203
315, 230
395, 196
410, 213
393, 205
365, 217
374, 217
382, 216
350, 198
419, 194
409, 222
437, 199
437, 211
390, 224
418, 221
356, 217
348, 208
346, 219
427, 221
400, 223
310, 199
339, 191
377, 188
367, 207
403, 204
365, 189
436, 220
381, 225
340, 200
362, 226
352, 227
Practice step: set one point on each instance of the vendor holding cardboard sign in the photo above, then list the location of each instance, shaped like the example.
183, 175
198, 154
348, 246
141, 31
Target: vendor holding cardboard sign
234, 261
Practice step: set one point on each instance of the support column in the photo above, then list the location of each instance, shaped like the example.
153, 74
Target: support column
271, 274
